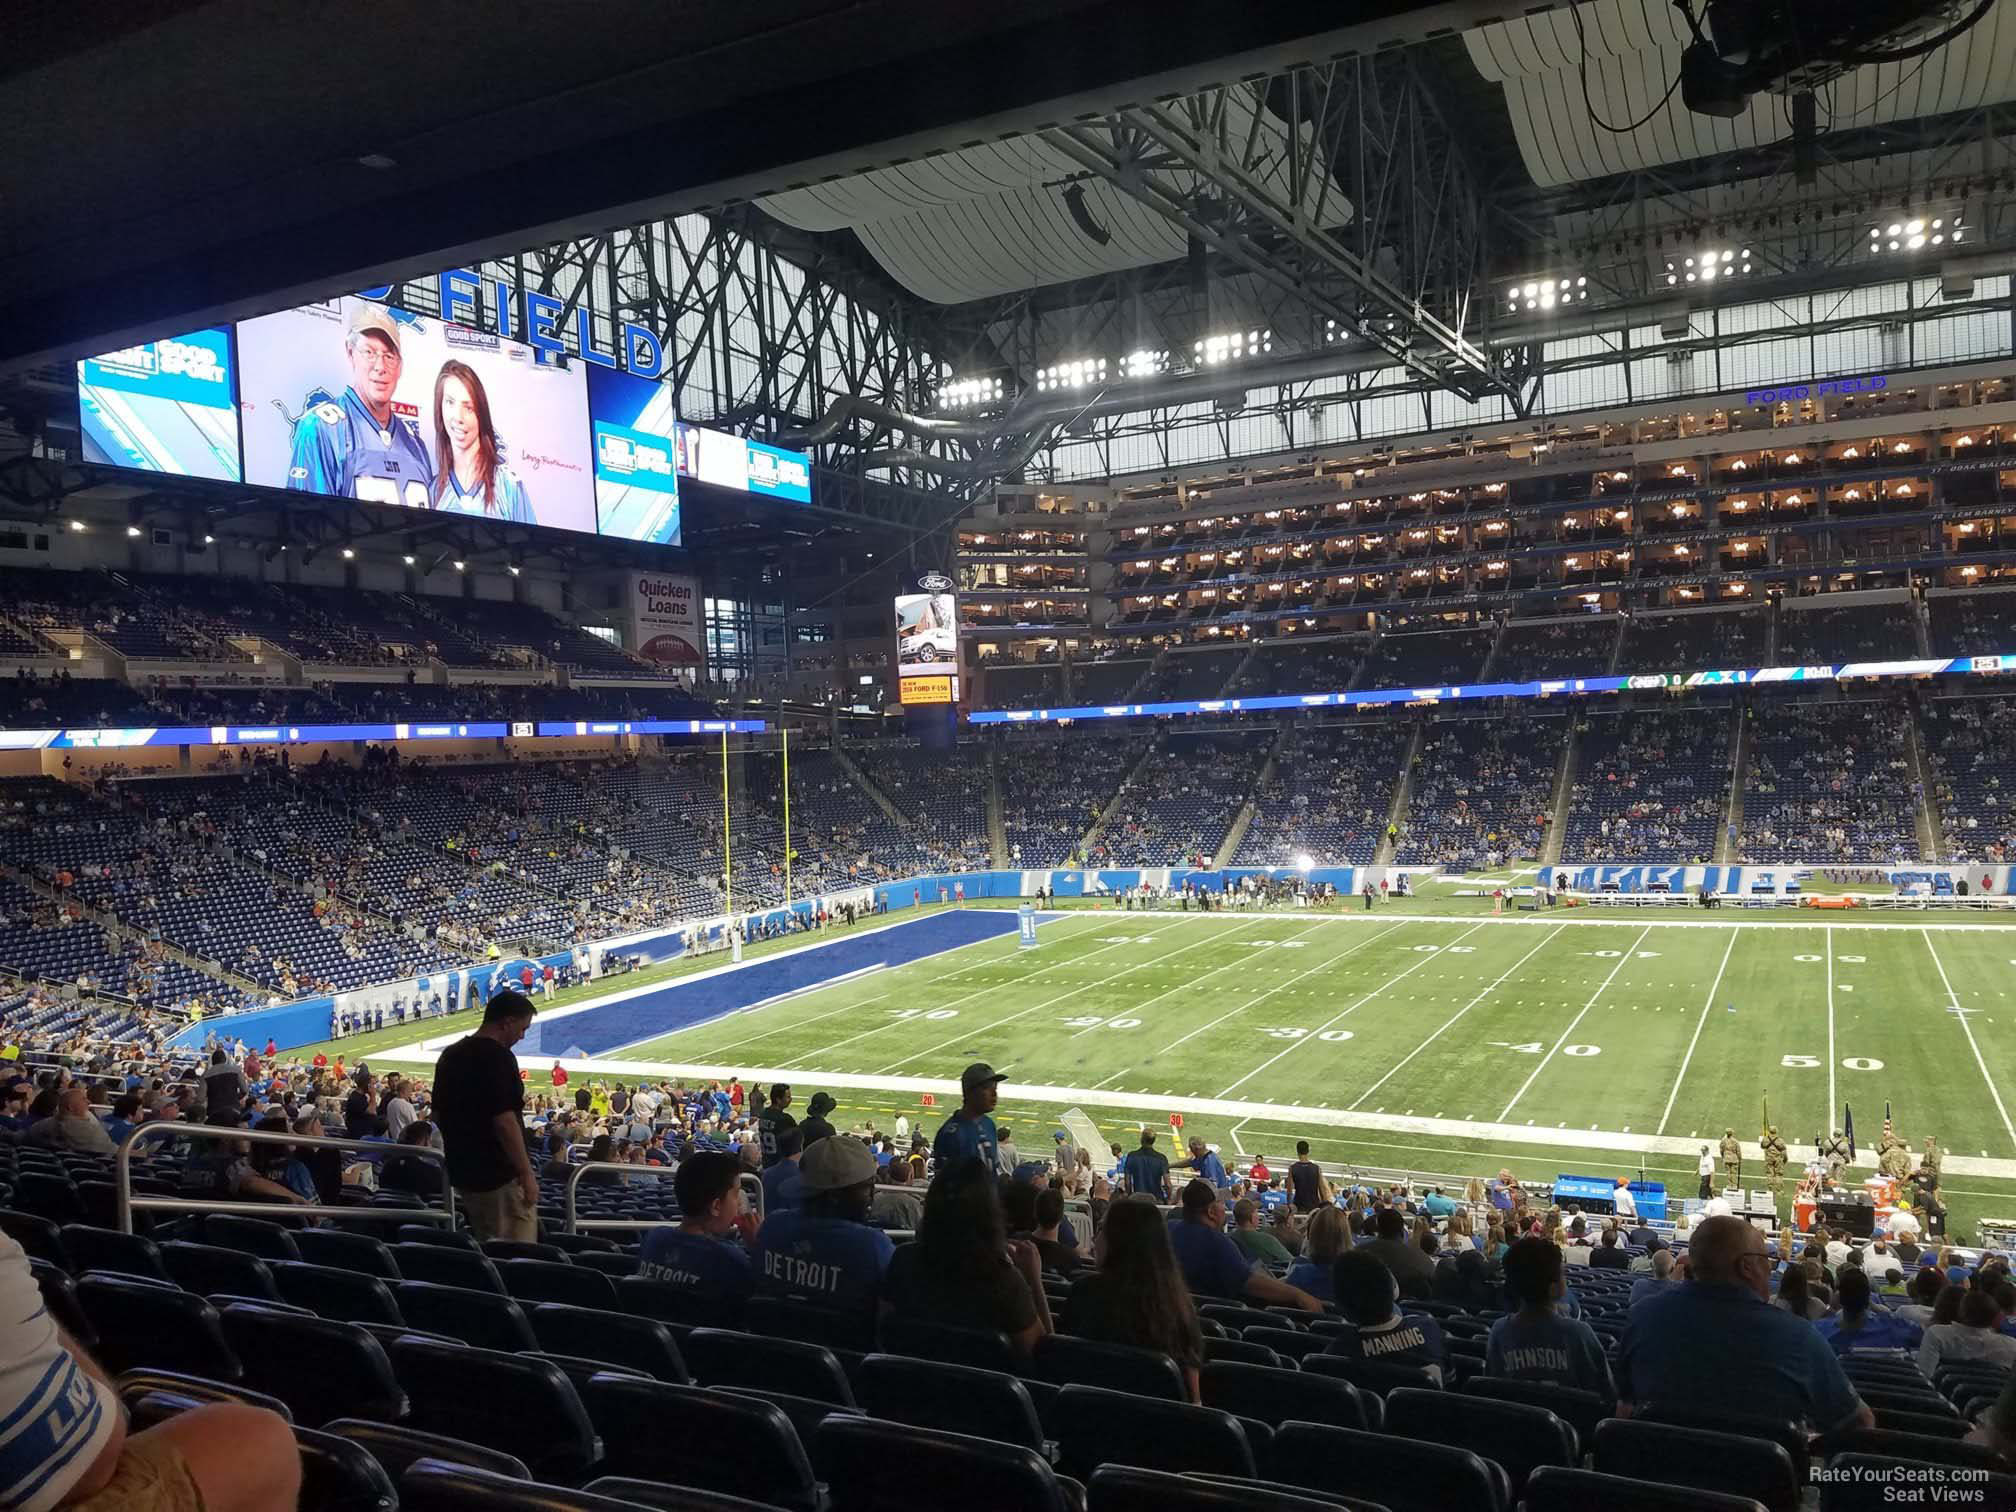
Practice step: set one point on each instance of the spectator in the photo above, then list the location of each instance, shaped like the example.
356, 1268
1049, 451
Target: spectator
409, 1173
125, 1116
1861, 1326
1609, 1254
896, 1210
223, 1088
1254, 1242
1047, 1235
1535, 1343
1467, 1280
1975, 1335
1205, 1163
815, 1127
1006, 1157
773, 1121
325, 1166
223, 1168
964, 1270
1146, 1170
1328, 1236
1925, 1288
357, 1106
479, 1101
1661, 1276
1412, 1270
704, 1254
1137, 1295
72, 1126
969, 1133
1305, 1179
68, 1443
1212, 1265
1795, 1294
825, 1252
782, 1184
1715, 1337
1375, 1328
397, 1108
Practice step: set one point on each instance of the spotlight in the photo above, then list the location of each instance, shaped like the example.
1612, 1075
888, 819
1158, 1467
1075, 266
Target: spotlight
1546, 293
970, 393
1707, 265
1144, 364
349, 555
79, 526
1077, 374
1914, 233
1232, 347
407, 560
133, 531
459, 566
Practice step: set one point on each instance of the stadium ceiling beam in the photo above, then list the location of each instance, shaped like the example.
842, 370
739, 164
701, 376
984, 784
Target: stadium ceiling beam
1404, 281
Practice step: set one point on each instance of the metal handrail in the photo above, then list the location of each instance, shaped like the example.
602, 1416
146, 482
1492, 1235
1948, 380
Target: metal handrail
125, 1202
751, 1184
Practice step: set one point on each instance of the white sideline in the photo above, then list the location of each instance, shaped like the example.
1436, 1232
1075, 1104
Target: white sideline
947, 1093
1573, 917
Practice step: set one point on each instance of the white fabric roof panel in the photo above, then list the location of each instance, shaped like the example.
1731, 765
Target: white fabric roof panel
1634, 53
991, 219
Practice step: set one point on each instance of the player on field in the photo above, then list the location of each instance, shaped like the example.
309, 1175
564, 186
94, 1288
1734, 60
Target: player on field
357, 447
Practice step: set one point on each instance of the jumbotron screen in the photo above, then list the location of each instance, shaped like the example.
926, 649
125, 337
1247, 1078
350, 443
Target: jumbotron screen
927, 630
360, 400
165, 406
636, 457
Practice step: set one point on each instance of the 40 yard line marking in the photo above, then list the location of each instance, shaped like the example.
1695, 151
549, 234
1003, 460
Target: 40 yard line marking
1453, 1017
1626, 956
1968, 1029
1832, 1099
1707, 1007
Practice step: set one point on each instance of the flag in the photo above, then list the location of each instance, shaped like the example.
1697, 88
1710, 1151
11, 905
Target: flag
1848, 1127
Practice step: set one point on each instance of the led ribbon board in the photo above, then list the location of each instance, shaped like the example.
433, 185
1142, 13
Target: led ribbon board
302, 734
1450, 693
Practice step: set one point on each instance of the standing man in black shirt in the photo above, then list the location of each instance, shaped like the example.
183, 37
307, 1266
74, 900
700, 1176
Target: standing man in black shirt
479, 1103
1303, 1177
773, 1121
816, 1125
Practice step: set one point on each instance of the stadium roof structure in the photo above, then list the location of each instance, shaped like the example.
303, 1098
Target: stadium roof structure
947, 246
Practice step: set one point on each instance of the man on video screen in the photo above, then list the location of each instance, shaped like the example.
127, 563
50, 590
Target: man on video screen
357, 447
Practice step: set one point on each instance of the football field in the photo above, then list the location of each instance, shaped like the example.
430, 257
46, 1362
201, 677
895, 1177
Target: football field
1430, 1040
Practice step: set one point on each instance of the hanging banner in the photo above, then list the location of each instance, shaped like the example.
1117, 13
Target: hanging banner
665, 619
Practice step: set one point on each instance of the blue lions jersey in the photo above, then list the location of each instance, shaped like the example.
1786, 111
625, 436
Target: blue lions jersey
341, 449
511, 505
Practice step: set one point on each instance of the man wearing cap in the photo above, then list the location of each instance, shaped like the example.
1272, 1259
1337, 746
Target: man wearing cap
357, 447
825, 1252
969, 1133
816, 1126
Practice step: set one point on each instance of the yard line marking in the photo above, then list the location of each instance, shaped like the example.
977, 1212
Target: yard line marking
1832, 1101
1574, 1021
1686, 1060
1453, 1017
1050, 1001
1969, 1029
1338, 1018
1182, 987
979, 991
1322, 965
801, 1023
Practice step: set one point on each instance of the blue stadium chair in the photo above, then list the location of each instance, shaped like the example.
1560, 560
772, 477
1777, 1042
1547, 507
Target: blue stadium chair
1064, 1361
645, 1298
350, 1374
984, 1349
484, 1319
147, 1325
1126, 1488
104, 1249
59, 1296
719, 1357
1519, 1437
255, 1236
549, 1281
361, 1253
330, 1292
493, 1398
1291, 1343
1098, 1427
210, 1270
1553, 1489
1927, 1448
1697, 1457
1274, 1397
1375, 1376
738, 1444
397, 1445
41, 1238
338, 1475
1239, 1351
1410, 1476
522, 1249
179, 1390
950, 1398
1580, 1410
872, 1466
448, 1265
639, 1343
665, 1498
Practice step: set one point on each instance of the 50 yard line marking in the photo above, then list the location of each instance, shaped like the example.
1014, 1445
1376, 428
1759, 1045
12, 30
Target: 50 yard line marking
1968, 1030
1829, 948
1629, 952
1707, 1007
1340, 1017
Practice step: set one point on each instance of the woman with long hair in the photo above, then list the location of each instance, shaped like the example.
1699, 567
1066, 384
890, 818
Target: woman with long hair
470, 476
1137, 1296
1329, 1236
1795, 1294
963, 1269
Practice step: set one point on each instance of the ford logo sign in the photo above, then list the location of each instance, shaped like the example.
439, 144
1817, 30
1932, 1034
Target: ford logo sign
935, 582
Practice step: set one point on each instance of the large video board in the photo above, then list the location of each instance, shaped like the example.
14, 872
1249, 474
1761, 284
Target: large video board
361, 400
166, 406
636, 457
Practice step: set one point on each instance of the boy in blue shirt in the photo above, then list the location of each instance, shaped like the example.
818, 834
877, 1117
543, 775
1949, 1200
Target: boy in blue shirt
1536, 1343
1369, 1298
969, 1133
704, 1256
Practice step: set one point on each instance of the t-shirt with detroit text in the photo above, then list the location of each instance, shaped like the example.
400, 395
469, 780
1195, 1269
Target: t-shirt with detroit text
706, 1268
827, 1261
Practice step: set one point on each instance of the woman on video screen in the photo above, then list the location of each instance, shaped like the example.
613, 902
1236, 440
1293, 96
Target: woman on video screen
469, 476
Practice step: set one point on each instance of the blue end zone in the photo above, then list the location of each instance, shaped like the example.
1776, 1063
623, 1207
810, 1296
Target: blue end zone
679, 1005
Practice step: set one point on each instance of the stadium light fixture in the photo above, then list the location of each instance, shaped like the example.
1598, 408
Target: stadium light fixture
1233, 346
133, 532
1707, 265
408, 561
349, 555
460, 566
1542, 294
1905, 234
1144, 363
209, 540
971, 393
513, 569
1077, 374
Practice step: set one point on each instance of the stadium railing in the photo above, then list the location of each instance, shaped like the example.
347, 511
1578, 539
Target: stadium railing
127, 1202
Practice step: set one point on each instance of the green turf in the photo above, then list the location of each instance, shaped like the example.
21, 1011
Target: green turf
1621, 1025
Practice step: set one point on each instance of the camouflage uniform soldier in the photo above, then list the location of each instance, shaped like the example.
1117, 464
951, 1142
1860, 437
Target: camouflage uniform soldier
1930, 1162
1732, 1159
1836, 1156
1893, 1156
1774, 1159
